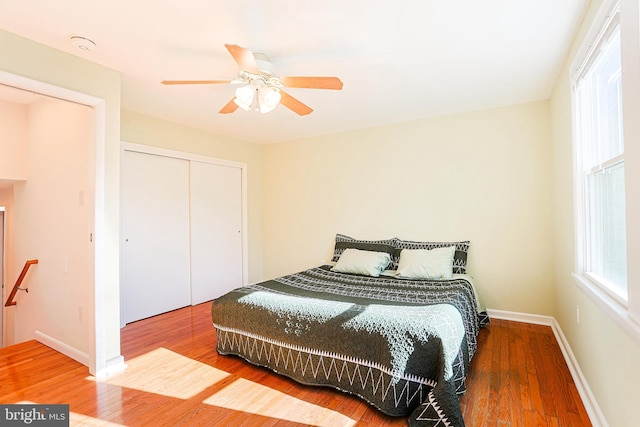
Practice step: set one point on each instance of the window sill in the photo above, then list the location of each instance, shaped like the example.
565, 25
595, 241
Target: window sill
612, 308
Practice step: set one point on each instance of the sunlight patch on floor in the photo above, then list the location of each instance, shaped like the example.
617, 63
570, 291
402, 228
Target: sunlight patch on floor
247, 396
85, 420
76, 419
167, 373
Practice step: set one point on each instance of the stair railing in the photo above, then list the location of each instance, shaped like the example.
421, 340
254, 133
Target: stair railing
17, 287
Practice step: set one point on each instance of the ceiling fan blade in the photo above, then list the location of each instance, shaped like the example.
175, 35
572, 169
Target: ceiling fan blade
312, 82
194, 82
293, 104
229, 108
244, 58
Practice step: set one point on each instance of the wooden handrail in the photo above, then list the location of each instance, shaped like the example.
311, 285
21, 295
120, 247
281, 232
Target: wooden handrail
27, 264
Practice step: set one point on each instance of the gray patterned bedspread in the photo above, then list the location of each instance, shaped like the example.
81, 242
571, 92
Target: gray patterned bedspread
402, 345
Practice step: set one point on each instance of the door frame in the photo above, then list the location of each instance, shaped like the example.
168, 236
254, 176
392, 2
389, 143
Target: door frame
96, 198
149, 149
2, 292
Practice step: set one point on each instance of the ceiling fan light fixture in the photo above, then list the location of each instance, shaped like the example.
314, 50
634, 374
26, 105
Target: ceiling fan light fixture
244, 97
268, 98
258, 97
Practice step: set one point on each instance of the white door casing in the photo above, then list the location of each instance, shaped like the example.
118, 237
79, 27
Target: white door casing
3, 294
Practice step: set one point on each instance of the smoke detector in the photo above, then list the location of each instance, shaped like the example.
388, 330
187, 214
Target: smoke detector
82, 43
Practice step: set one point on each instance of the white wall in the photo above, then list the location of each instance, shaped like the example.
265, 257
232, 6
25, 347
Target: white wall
13, 141
482, 176
13, 166
52, 224
25, 58
10, 276
607, 356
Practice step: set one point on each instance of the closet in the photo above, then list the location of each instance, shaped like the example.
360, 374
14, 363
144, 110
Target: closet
182, 231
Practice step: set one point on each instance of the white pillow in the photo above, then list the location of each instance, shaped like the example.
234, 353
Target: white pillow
367, 263
426, 263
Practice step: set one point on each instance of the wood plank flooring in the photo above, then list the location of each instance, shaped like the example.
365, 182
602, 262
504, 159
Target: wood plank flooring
175, 378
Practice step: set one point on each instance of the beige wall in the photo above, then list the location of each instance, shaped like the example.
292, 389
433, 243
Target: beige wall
501, 178
607, 356
142, 129
482, 176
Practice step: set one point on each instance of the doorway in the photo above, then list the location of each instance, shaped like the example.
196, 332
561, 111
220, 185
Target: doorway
2, 276
98, 351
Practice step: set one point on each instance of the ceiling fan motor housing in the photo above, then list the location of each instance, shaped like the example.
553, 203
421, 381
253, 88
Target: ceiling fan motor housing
264, 64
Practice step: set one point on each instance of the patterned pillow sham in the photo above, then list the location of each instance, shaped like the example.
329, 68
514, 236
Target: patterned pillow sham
345, 242
459, 257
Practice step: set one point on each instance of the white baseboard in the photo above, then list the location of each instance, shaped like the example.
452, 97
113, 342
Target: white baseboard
113, 366
536, 319
591, 405
64, 348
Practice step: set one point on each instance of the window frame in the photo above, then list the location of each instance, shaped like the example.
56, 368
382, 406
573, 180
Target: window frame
626, 314
601, 30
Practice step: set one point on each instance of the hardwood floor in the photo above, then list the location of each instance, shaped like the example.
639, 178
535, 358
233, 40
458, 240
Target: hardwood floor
175, 378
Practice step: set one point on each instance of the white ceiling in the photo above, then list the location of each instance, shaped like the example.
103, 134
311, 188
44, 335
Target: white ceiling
399, 60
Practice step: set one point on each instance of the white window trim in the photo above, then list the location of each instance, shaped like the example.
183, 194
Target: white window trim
605, 15
609, 163
610, 305
613, 305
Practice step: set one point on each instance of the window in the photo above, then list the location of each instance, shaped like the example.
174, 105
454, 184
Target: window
600, 182
605, 83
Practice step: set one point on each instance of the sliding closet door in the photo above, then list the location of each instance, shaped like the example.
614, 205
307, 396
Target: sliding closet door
216, 230
155, 217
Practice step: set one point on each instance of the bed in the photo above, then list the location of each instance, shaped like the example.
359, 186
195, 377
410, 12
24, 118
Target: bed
403, 344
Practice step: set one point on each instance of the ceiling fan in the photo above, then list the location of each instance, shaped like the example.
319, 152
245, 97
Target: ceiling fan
261, 89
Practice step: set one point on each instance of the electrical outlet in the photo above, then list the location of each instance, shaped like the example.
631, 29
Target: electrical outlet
64, 265
80, 312
578, 314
